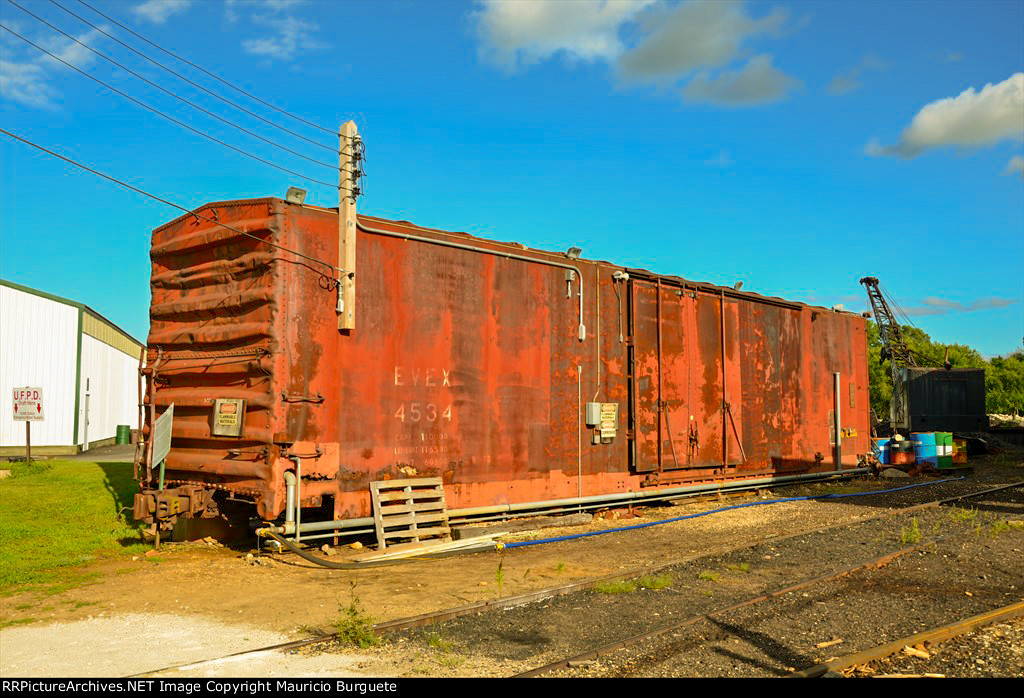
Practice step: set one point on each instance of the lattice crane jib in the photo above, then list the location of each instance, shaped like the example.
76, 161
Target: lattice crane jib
894, 348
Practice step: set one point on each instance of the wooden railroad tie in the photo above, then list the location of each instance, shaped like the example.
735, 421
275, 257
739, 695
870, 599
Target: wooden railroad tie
410, 510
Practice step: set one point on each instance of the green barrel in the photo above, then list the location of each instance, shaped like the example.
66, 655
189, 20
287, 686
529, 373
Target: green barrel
944, 448
124, 434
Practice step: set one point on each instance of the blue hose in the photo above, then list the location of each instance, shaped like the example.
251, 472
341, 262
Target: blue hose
523, 544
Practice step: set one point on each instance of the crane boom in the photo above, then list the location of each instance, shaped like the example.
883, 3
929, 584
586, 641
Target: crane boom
894, 347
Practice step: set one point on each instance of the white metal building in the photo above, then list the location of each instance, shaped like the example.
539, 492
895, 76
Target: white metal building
86, 365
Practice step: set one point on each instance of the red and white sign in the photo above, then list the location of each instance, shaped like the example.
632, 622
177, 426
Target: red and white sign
28, 404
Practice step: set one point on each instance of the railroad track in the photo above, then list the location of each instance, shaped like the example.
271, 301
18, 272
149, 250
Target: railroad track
928, 638
575, 587
668, 643
585, 657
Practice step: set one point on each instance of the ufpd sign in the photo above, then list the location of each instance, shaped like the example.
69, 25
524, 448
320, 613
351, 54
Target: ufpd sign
28, 404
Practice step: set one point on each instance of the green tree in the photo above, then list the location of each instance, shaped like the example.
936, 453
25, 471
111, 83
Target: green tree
1004, 384
1004, 375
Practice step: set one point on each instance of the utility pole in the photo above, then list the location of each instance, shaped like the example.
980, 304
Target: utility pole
350, 157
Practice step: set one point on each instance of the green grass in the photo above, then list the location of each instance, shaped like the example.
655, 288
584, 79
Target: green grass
435, 641
626, 586
962, 515
911, 535
58, 516
1000, 526
707, 576
353, 626
741, 567
655, 582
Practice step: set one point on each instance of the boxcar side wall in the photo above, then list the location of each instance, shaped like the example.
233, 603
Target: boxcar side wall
466, 364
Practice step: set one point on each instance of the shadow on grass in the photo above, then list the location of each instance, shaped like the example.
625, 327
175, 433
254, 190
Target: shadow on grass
121, 485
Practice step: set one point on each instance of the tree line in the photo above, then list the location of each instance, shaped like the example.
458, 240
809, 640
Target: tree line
1004, 375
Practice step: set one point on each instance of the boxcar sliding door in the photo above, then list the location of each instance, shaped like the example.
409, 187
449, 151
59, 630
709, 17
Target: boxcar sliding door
678, 387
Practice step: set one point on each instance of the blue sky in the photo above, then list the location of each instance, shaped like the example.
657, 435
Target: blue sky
795, 146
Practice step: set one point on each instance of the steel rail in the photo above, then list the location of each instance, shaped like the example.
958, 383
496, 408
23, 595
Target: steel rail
876, 563
562, 590
933, 636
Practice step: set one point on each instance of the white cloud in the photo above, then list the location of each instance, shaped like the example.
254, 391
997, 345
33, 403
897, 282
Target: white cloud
269, 6
290, 35
654, 42
849, 81
72, 52
26, 80
26, 84
758, 82
972, 119
293, 36
1015, 166
680, 39
522, 32
159, 11
941, 306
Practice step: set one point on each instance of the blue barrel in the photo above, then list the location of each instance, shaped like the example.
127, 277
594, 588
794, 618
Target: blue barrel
925, 449
881, 448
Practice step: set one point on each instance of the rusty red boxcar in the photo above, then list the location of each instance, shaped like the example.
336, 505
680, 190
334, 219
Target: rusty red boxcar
518, 376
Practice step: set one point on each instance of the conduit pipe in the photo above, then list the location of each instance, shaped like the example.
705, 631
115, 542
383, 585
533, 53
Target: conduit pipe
582, 332
602, 499
298, 497
838, 422
289, 497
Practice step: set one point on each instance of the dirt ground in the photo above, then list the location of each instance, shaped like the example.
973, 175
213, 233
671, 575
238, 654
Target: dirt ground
198, 601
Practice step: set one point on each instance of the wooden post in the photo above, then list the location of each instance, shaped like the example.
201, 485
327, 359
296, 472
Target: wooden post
28, 441
347, 182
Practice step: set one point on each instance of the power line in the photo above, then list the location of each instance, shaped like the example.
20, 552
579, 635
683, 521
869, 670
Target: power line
237, 89
174, 205
182, 77
178, 97
167, 116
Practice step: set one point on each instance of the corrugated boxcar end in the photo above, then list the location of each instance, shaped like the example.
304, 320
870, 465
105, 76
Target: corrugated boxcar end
466, 364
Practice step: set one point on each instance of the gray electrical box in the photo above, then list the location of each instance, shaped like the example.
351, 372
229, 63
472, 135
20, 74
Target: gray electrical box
603, 417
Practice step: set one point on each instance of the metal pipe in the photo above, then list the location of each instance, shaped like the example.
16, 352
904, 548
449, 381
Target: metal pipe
839, 432
151, 390
582, 333
579, 431
596, 500
142, 415
338, 534
597, 337
298, 497
661, 404
725, 402
289, 498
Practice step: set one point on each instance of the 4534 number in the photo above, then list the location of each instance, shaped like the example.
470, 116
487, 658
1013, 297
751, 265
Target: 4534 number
422, 411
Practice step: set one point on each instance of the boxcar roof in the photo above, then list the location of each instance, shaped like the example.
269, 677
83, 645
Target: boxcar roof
729, 291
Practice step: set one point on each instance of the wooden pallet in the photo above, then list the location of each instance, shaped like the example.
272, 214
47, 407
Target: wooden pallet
409, 510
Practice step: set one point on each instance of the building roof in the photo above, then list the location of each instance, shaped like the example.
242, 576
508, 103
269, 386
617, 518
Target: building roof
81, 306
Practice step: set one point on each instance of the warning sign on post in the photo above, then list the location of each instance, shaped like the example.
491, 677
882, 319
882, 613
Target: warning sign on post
28, 404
